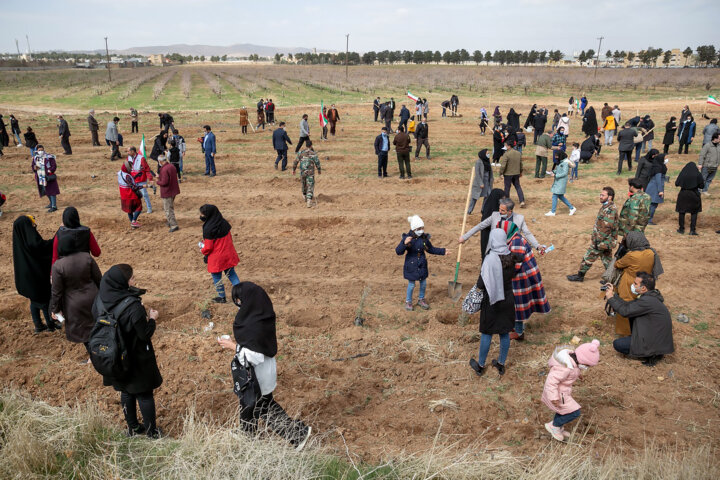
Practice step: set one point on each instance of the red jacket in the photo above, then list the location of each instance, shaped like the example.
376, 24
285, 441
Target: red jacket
94, 247
145, 174
168, 182
221, 253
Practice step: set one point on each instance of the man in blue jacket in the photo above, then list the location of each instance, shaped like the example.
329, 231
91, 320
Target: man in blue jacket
404, 117
382, 146
280, 142
209, 148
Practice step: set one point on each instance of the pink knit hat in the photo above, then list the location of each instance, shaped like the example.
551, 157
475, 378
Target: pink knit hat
588, 353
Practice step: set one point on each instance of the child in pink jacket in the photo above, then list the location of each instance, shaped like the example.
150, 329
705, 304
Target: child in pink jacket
565, 365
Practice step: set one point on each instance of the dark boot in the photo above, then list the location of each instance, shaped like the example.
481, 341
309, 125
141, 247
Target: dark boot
578, 277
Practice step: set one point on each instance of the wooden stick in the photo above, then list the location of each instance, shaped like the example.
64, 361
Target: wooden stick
465, 215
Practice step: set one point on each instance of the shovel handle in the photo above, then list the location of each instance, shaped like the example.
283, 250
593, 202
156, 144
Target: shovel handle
457, 270
465, 215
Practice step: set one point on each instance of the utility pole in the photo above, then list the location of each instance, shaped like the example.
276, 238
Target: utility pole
347, 44
107, 55
27, 39
17, 45
597, 59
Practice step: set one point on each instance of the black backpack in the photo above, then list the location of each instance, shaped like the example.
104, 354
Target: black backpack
108, 350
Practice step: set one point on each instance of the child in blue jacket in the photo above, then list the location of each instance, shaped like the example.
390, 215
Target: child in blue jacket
414, 244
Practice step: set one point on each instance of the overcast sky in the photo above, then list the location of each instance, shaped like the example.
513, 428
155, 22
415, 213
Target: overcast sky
567, 25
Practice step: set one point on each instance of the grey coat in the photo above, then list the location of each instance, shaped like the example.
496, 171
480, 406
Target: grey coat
483, 182
304, 128
708, 131
111, 132
626, 140
651, 324
709, 155
493, 220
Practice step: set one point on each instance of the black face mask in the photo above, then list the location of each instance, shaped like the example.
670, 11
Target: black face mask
203, 218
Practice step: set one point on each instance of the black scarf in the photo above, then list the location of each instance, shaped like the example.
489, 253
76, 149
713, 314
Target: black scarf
72, 237
690, 177
254, 325
483, 155
492, 203
214, 225
114, 286
32, 259
71, 218
658, 165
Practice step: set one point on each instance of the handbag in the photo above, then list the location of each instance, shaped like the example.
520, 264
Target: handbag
638, 137
245, 383
473, 300
50, 178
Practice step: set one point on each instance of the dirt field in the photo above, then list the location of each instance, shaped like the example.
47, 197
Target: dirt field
315, 263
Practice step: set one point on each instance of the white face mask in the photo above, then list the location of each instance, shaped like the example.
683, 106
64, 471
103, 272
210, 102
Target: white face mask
419, 232
634, 290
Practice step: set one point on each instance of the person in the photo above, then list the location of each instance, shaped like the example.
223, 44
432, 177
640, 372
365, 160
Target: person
218, 249
644, 166
590, 125
73, 237
559, 186
531, 117
606, 110
93, 126
387, 116
709, 160
130, 193
566, 366
626, 142
540, 123
324, 124
270, 109
308, 161
75, 281
511, 169
426, 109
4, 138
689, 200
635, 211
685, 133
640, 257
133, 120
118, 287
491, 204
544, 146
382, 147
590, 147
685, 113
649, 127
498, 142
255, 343
709, 130
556, 120
173, 156
391, 103
404, 117
421, 137
260, 118
210, 148
656, 183
575, 160
610, 128
521, 141
141, 174
15, 130
483, 121
604, 235
497, 311
64, 135
304, 133
45, 168
32, 257
111, 135
31, 141
583, 104
402, 149
563, 123
280, 141
558, 146
244, 122
571, 106
651, 337
483, 180
3, 199
376, 107
445, 104
182, 148
513, 119
333, 117
454, 102
159, 145
414, 244
169, 189
617, 114
527, 284
497, 116
669, 138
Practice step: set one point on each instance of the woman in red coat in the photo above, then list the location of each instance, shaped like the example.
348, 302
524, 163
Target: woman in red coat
217, 246
129, 199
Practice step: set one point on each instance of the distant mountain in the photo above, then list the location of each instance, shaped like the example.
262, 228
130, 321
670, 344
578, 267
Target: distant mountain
237, 50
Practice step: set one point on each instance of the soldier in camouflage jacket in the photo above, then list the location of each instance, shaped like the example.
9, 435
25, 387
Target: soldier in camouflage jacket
635, 213
308, 161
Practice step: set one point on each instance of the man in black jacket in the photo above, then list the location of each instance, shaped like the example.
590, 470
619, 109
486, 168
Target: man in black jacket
626, 142
404, 117
376, 107
539, 123
280, 142
388, 117
382, 147
93, 126
589, 147
421, 135
64, 134
166, 121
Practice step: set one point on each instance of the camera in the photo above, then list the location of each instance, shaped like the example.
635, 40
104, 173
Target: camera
603, 288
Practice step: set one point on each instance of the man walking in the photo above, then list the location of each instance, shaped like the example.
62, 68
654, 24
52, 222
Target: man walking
402, 149
604, 235
270, 109
210, 149
709, 160
376, 107
388, 117
333, 117
94, 127
308, 161
304, 133
404, 117
709, 130
626, 143
635, 212
511, 170
544, 146
133, 120
382, 146
169, 189
111, 135
64, 135
280, 142
421, 136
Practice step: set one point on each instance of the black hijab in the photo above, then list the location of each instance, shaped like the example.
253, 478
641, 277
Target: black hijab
590, 126
658, 165
114, 286
32, 259
254, 325
483, 155
690, 177
492, 203
513, 119
71, 218
214, 225
72, 237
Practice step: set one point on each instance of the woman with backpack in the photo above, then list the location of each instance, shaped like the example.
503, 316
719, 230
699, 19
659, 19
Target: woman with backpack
119, 296
255, 347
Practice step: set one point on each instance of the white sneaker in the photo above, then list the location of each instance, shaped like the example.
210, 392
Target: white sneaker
19, 145
550, 214
573, 210
556, 432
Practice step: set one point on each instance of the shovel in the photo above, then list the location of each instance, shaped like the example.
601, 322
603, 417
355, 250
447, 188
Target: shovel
454, 287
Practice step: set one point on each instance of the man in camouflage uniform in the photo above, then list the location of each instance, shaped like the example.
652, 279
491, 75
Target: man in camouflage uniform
635, 213
603, 236
308, 160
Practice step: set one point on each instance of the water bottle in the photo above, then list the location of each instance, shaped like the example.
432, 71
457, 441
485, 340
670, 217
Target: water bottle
550, 248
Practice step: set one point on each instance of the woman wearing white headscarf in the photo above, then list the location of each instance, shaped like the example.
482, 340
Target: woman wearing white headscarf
497, 314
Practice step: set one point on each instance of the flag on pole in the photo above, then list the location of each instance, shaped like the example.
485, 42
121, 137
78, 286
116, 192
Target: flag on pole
322, 117
713, 101
577, 104
142, 148
412, 97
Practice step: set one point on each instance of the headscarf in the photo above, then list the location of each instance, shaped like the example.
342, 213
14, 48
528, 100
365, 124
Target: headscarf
658, 165
690, 177
636, 241
497, 111
214, 225
510, 228
482, 155
492, 271
483, 112
114, 286
32, 259
254, 325
492, 202
72, 237
71, 218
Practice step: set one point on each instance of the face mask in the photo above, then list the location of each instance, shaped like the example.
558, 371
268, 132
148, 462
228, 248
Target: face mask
634, 290
504, 216
419, 232
203, 218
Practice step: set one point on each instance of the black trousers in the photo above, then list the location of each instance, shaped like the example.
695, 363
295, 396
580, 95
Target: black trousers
693, 221
376, 110
281, 155
686, 145
403, 123
420, 143
146, 401
513, 180
623, 156
404, 164
133, 127
95, 140
388, 125
244, 129
65, 142
35, 309
274, 417
666, 149
115, 151
305, 140
382, 164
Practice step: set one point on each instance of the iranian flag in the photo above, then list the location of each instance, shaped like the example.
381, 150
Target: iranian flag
322, 117
577, 104
142, 148
412, 97
713, 101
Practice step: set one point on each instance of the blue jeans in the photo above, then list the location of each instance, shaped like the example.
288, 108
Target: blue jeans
32, 151
519, 328
182, 157
53, 201
217, 280
622, 345
638, 147
574, 172
561, 420
653, 207
17, 136
708, 175
562, 198
485, 341
209, 164
444, 114
411, 288
646, 145
146, 196
134, 215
